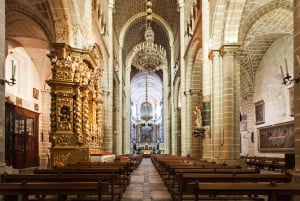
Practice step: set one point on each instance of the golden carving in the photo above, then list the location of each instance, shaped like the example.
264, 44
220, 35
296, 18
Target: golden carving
76, 114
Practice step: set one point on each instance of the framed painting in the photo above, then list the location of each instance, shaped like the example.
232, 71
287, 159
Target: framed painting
260, 112
277, 138
35, 93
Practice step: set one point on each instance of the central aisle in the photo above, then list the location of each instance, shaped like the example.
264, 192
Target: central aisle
146, 184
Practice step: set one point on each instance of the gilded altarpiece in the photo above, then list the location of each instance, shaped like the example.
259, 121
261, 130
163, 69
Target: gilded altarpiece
76, 104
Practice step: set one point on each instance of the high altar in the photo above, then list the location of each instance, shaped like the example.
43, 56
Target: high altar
76, 105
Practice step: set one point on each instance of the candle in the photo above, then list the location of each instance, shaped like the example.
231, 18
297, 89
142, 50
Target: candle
13, 70
282, 72
286, 67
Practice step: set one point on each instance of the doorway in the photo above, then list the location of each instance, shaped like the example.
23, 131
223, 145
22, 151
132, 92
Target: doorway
21, 137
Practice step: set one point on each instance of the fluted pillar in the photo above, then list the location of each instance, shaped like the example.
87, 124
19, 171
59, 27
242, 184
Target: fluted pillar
230, 143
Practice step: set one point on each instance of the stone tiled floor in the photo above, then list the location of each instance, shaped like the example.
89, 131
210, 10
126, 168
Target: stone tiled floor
146, 184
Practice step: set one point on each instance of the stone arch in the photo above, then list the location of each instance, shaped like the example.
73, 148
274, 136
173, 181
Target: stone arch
246, 26
23, 12
141, 15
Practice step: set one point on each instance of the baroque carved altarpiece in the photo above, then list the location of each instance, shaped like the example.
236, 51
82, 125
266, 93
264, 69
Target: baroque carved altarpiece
76, 104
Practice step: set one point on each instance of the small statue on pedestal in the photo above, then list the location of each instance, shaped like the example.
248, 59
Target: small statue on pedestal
198, 130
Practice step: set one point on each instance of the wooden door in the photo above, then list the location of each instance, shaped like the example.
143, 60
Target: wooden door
21, 137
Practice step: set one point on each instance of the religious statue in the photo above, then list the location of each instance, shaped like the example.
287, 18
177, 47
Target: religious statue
199, 130
198, 113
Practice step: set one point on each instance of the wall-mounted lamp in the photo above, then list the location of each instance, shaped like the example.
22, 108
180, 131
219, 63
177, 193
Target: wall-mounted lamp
287, 78
12, 79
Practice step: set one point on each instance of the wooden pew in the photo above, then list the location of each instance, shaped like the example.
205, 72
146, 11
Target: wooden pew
271, 163
274, 191
116, 187
60, 190
123, 172
173, 170
178, 189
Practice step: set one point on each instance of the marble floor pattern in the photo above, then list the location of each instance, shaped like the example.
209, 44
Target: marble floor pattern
146, 184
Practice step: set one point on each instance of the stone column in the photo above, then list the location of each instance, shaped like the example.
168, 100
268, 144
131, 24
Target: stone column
187, 133
230, 143
172, 115
126, 109
216, 105
2, 87
206, 80
167, 145
121, 137
297, 85
109, 107
184, 139
45, 128
247, 108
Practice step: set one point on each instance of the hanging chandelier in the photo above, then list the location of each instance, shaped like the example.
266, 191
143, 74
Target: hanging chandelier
148, 55
146, 116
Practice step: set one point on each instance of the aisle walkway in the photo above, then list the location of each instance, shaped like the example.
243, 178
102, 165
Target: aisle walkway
146, 184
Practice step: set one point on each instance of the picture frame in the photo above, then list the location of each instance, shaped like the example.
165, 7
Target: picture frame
36, 107
277, 138
260, 112
18, 101
35, 93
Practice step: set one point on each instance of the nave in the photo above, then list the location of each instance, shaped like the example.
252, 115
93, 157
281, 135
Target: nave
152, 178
146, 184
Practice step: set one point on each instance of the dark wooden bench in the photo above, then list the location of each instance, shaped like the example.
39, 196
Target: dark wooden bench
169, 176
179, 186
274, 191
271, 163
123, 172
59, 191
116, 184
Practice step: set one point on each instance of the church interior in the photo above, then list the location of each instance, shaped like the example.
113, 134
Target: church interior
151, 84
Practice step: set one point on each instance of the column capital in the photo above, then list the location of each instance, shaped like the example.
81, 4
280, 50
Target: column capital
180, 3
111, 3
213, 53
195, 91
229, 48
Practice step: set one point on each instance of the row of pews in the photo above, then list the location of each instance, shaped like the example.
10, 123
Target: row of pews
263, 162
189, 179
83, 181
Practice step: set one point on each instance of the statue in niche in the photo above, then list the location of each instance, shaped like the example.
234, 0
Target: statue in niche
198, 113
64, 113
